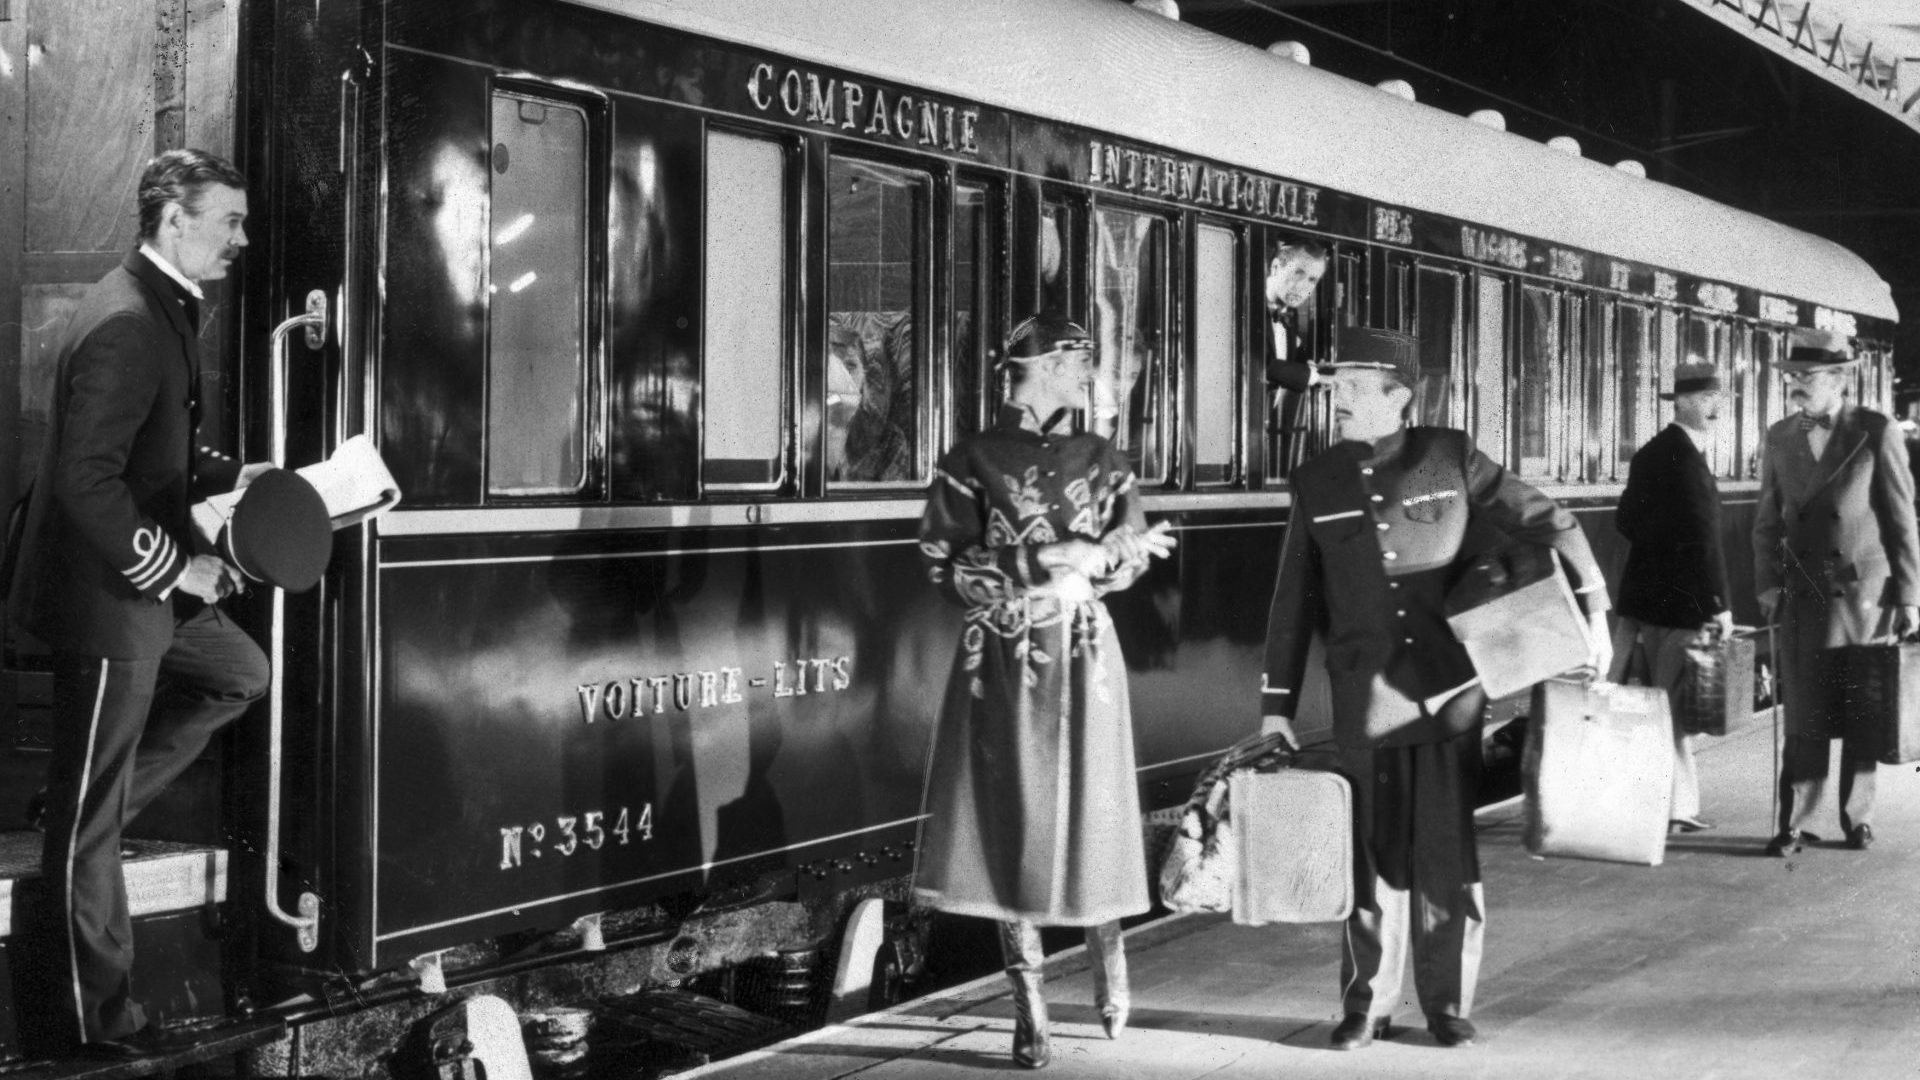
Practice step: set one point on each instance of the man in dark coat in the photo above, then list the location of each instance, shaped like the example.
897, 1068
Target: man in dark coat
108, 577
1673, 593
1292, 275
1836, 562
1375, 535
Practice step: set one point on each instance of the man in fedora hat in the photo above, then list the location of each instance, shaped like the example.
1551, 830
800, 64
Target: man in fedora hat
1836, 562
1673, 592
1376, 533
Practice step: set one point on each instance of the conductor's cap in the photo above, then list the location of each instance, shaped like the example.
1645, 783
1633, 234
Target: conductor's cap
280, 532
1380, 350
1044, 334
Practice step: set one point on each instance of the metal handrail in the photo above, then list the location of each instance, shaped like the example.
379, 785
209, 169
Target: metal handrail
307, 922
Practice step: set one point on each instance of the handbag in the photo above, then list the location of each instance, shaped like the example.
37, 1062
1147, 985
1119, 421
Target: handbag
1197, 871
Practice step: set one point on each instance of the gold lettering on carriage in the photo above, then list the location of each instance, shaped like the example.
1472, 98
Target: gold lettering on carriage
1201, 184
847, 105
686, 691
1490, 247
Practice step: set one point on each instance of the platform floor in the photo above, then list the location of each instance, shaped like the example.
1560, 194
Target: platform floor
1720, 963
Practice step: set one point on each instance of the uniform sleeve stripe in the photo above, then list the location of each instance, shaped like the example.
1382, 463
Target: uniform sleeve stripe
146, 576
1336, 517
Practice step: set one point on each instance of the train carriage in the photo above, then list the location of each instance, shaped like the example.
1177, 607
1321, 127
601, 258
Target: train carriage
660, 314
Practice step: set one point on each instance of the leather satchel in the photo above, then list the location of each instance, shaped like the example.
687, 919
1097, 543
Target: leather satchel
1883, 700
1515, 614
1715, 694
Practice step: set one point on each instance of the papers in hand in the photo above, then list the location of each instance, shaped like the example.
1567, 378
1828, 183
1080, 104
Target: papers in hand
354, 484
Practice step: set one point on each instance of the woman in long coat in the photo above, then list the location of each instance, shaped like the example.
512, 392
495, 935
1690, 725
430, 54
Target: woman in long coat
1033, 817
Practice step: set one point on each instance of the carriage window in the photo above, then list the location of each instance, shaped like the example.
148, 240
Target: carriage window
1130, 321
1437, 325
1490, 370
1537, 365
1744, 404
973, 328
746, 250
1639, 408
1215, 345
537, 299
1058, 253
1768, 396
1350, 287
1602, 393
877, 219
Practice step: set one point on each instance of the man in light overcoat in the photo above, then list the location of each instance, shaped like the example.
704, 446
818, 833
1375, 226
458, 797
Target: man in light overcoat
1836, 563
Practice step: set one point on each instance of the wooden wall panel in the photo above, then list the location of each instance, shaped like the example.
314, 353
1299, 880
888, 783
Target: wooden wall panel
44, 313
89, 121
213, 42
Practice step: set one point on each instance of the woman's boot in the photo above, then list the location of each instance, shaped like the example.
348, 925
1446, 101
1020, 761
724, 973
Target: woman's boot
1108, 952
1020, 944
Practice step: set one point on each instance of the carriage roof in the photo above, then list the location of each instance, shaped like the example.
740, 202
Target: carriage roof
1114, 68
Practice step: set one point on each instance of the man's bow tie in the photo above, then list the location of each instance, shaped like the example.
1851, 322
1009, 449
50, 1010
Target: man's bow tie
1808, 421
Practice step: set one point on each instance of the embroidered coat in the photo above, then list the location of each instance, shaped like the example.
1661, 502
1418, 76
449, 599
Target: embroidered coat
1031, 800
1836, 535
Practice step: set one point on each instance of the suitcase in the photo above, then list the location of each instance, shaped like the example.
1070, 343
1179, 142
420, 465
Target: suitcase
1715, 695
1515, 614
1293, 829
1883, 700
1598, 772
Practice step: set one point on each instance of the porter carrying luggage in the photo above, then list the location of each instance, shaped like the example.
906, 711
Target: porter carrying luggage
1598, 772
1883, 700
1715, 694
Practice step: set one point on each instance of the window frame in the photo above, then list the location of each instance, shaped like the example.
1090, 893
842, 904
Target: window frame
591, 485
932, 402
794, 157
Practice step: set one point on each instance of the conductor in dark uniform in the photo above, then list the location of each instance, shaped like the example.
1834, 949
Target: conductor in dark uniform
110, 578
1377, 530
1673, 592
1837, 563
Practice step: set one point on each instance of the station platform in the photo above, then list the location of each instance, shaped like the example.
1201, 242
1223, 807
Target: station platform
1722, 962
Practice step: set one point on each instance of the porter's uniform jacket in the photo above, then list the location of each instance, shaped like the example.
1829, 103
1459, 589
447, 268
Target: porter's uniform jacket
1837, 536
108, 529
1376, 535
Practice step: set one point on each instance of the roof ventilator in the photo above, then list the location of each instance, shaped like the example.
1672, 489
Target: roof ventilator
1399, 88
1488, 118
1295, 51
1566, 144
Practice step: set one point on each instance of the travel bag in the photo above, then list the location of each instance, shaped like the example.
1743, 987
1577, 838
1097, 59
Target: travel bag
1514, 613
1883, 700
1715, 693
1598, 771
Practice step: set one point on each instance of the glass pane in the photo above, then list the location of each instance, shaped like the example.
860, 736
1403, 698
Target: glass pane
876, 248
1603, 398
1490, 371
745, 309
1130, 321
1215, 343
972, 275
1741, 411
537, 299
1536, 365
1437, 324
1055, 250
1638, 405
